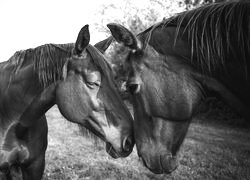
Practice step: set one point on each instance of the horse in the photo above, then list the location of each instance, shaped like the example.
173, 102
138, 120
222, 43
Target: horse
175, 64
76, 77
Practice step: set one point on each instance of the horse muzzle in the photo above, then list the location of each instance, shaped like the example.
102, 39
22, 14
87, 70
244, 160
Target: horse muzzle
163, 164
168, 163
125, 149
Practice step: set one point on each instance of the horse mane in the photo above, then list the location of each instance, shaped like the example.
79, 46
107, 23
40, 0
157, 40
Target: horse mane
47, 61
216, 33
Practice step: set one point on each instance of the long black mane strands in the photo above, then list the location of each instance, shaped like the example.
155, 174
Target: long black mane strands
215, 32
49, 61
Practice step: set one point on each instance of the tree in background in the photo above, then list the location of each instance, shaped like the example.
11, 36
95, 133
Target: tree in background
190, 4
138, 15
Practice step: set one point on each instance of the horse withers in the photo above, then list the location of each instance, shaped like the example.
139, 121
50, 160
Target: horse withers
78, 79
172, 65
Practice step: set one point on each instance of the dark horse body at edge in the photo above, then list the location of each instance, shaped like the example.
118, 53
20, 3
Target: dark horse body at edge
78, 79
174, 63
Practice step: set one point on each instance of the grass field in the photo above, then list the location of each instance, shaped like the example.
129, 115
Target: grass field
211, 150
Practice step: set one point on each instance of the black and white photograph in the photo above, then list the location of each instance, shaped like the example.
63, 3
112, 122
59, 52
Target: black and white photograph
125, 90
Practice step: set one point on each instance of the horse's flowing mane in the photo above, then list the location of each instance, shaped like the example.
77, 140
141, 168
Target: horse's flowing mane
215, 33
100, 61
47, 61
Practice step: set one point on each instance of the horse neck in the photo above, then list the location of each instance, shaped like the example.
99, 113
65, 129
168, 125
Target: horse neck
22, 81
17, 91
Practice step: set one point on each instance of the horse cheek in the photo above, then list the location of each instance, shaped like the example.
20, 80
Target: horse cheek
72, 101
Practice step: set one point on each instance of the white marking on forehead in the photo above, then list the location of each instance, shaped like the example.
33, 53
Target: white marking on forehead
93, 76
133, 50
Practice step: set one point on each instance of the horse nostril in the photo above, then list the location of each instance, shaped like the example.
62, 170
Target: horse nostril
128, 143
133, 88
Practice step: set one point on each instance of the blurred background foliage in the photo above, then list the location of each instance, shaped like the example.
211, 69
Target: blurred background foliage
140, 15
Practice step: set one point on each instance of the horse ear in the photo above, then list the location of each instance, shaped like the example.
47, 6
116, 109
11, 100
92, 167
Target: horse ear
102, 46
123, 35
82, 41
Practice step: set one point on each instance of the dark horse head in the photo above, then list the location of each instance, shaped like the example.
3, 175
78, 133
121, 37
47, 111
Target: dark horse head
172, 64
81, 83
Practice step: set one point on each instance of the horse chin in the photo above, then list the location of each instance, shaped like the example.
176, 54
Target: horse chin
111, 151
168, 163
114, 153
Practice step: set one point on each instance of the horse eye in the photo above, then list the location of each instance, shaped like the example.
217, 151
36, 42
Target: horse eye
93, 85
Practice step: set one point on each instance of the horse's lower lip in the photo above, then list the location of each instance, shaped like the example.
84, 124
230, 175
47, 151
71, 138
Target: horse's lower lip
110, 150
154, 170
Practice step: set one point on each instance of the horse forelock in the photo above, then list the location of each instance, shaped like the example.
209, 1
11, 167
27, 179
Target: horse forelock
214, 32
104, 67
100, 61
